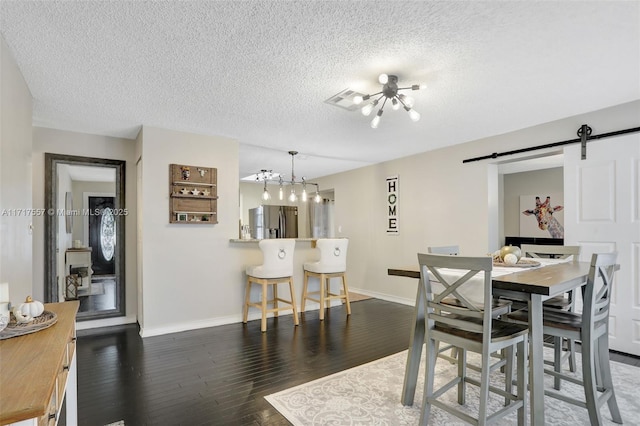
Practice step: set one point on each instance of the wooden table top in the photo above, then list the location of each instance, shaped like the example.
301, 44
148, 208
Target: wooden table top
29, 365
547, 280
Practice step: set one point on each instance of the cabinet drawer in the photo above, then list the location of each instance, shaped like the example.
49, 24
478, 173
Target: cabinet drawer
50, 416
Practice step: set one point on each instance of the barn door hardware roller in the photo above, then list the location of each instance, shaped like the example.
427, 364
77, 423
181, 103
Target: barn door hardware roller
584, 135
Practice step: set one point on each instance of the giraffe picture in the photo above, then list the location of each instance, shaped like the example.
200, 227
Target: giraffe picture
542, 217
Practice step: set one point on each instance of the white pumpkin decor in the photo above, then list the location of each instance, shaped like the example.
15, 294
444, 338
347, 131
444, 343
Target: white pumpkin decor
20, 317
514, 250
510, 259
31, 307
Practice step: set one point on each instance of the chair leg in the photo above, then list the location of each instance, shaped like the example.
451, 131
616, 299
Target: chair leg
275, 299
557, 360
607, 382
454, 354
589, 379
484, 387
429, 373
293, 302
247, 299
322, 296
304, 291
346, 293
263, 323
523, 376
508, 372
462, 373
572, 355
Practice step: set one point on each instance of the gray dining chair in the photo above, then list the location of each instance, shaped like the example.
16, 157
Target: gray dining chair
564, 301
469, 326
500, 307
592, 329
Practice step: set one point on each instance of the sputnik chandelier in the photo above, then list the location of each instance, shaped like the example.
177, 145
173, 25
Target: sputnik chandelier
270, 176
389, 92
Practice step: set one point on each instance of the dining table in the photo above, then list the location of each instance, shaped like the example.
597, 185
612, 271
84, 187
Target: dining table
532, 284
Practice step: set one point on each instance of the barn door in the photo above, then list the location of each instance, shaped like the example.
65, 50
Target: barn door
604, 191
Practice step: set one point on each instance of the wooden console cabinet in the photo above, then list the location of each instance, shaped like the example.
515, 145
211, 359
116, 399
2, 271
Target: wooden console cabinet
37, 370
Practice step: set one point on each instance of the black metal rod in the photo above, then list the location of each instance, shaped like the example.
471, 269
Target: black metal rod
552, 145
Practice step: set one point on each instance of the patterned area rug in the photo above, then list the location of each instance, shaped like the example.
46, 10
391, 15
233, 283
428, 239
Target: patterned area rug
370, 395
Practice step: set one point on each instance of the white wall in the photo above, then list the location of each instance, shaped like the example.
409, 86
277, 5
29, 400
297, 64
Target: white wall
442, 201
191, 276
537, 182
16, 246
82, 144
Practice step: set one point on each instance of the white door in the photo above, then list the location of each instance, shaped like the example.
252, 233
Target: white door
602, 214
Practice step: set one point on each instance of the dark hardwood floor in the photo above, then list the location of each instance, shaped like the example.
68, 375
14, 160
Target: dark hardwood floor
220, 375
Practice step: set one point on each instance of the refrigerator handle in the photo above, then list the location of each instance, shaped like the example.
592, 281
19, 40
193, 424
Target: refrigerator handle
283, 224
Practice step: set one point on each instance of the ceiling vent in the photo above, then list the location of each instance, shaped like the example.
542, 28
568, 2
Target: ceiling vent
344, 100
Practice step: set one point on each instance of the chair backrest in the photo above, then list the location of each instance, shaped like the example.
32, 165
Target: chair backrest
277, 256
450, 250
558, 252
333, 254
455, 273
597, 291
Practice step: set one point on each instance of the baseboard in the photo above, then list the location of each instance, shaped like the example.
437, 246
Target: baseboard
254, 314
384, 296
107, 322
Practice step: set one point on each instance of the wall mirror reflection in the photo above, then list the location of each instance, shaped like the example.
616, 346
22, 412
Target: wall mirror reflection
84, 250
313, 219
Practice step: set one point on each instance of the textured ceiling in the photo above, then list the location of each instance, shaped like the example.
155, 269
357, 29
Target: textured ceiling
259, 72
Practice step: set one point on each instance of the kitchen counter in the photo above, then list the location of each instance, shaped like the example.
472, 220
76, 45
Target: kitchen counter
253, 240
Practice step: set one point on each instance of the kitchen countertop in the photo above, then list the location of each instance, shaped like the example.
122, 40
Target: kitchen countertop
253, 240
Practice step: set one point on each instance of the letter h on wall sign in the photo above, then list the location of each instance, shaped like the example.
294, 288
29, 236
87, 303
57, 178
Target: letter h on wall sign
392, 205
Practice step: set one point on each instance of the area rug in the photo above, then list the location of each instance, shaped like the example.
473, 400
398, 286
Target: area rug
370, 395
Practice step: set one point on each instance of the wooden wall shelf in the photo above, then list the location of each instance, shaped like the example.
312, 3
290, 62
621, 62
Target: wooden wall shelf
193, 195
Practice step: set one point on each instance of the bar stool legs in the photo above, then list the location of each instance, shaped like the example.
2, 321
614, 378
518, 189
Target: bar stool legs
324, 294
265, 301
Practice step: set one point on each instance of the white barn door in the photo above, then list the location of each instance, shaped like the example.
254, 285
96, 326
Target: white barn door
602, 214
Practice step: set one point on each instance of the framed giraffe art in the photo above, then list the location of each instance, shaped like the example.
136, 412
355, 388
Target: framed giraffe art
542, 217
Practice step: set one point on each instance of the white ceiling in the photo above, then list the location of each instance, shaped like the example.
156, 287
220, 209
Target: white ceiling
260, 71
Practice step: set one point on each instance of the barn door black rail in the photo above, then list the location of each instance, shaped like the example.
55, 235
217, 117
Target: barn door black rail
584, 135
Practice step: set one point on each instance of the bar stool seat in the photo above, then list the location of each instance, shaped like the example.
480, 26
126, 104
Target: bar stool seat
332, 264
277, 267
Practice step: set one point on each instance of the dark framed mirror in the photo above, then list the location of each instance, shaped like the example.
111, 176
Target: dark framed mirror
84, 250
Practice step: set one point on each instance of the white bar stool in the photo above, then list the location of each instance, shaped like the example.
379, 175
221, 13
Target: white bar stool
332, 264
277, 267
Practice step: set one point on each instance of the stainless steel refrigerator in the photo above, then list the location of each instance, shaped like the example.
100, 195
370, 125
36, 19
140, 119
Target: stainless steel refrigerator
273, 222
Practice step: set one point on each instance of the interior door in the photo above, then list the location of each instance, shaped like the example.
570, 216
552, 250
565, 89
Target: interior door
102, 235
604, 189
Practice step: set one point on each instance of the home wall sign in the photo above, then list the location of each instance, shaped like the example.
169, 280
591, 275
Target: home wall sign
193, 194
392, 185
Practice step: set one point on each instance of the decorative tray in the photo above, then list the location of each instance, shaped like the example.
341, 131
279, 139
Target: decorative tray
46, 320
522, 263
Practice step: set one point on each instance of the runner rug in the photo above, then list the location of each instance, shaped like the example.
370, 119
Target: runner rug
370, 395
